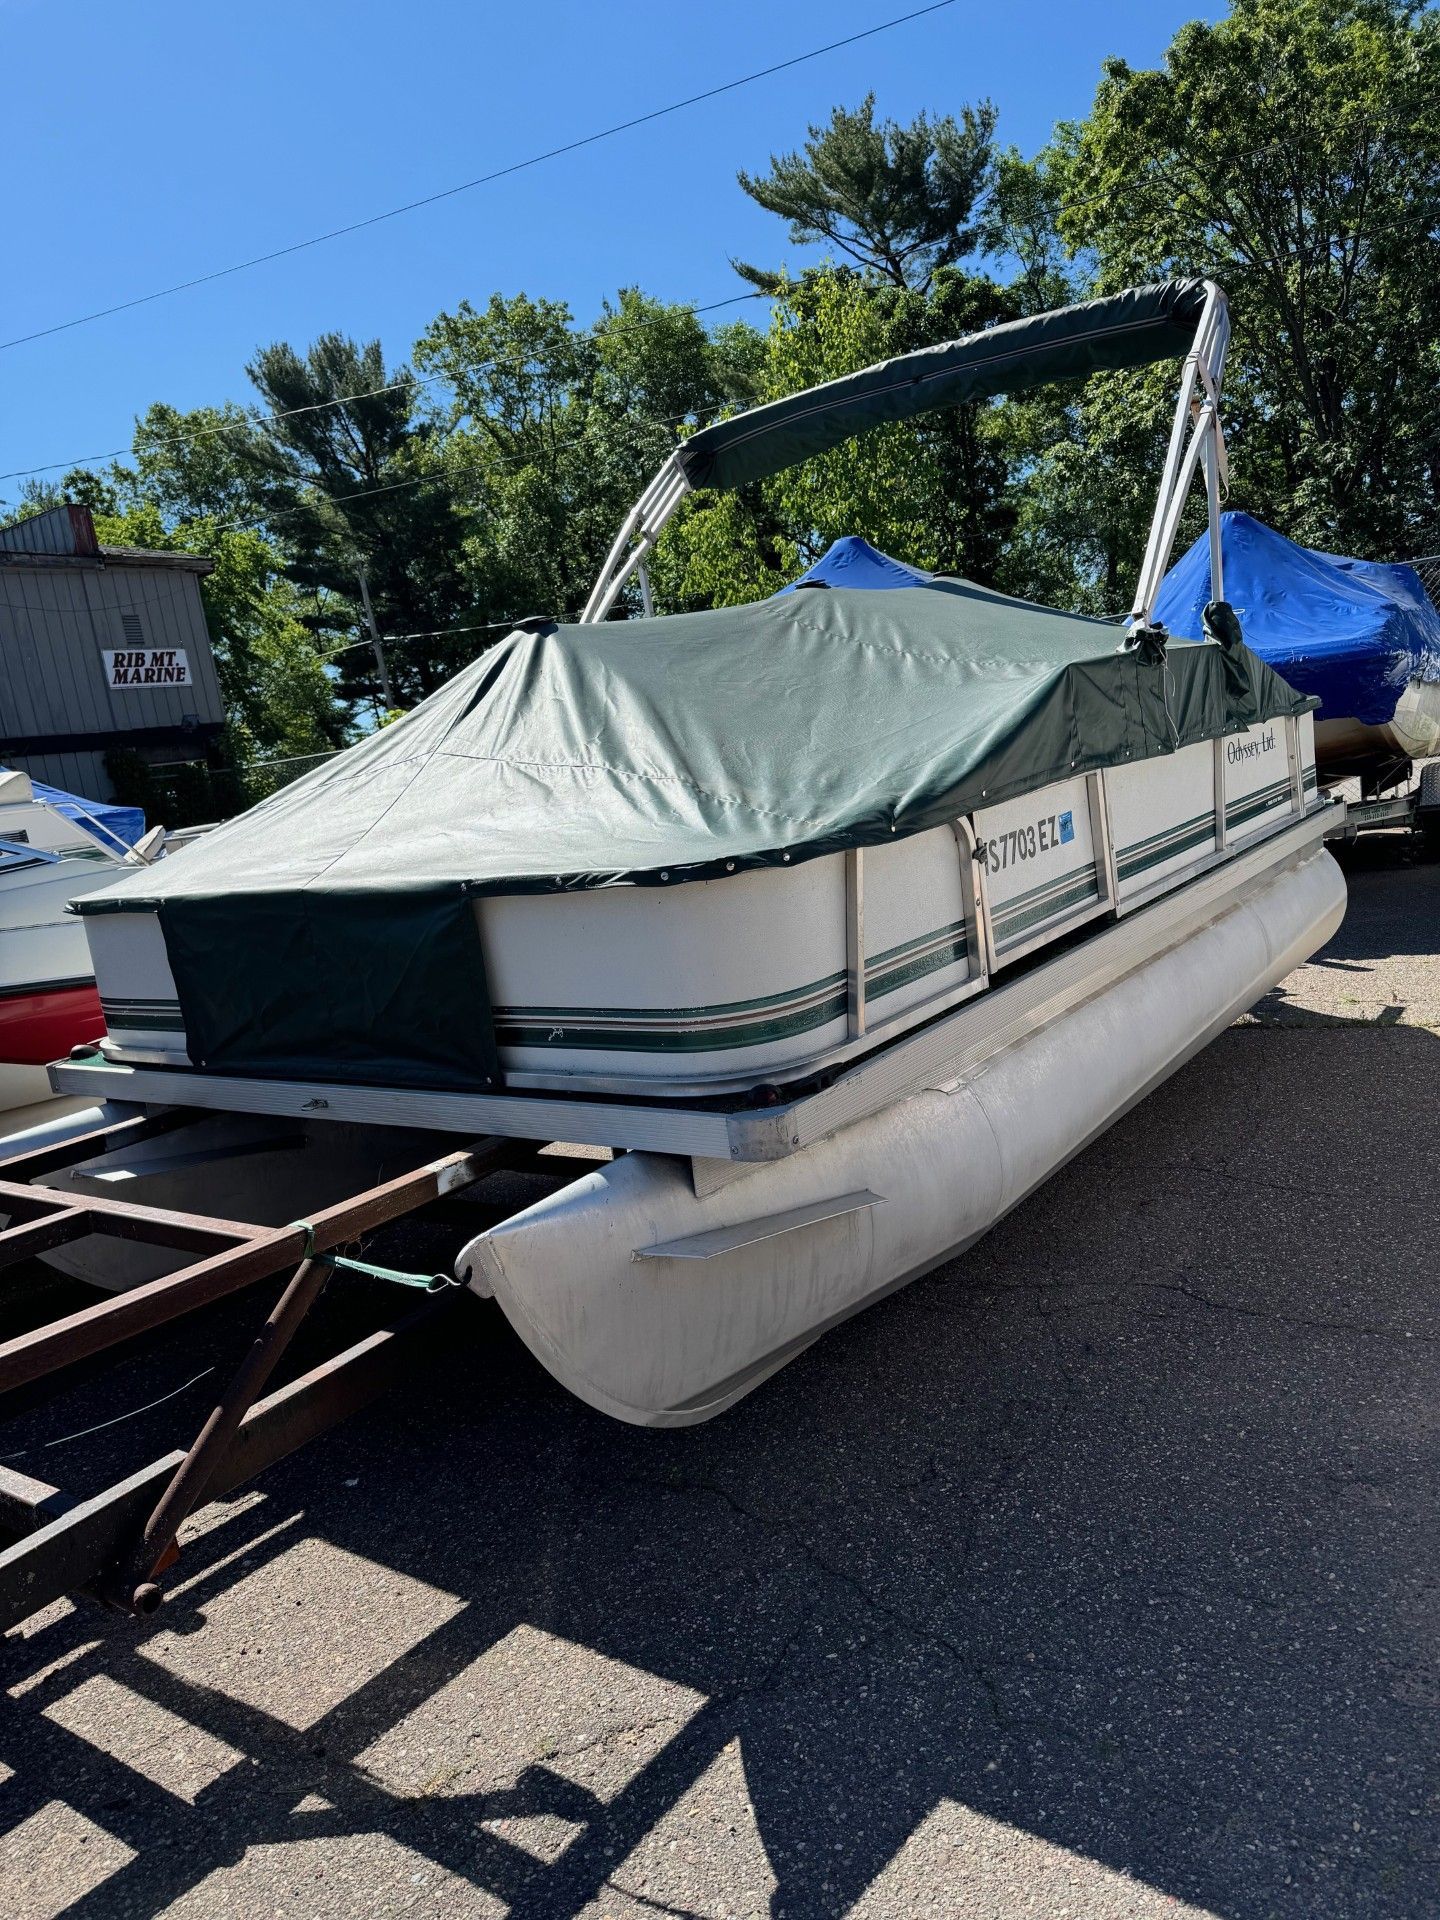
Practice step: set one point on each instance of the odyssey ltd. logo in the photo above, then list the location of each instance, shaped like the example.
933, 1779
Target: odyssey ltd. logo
1238, 750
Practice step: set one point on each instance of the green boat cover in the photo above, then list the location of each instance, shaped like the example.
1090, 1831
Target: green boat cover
1128, 329
330, 931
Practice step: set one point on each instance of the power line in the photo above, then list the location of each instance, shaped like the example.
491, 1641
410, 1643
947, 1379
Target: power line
229, 426
481, 180
317, 406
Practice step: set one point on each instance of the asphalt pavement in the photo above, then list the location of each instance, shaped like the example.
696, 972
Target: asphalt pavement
1093, 1575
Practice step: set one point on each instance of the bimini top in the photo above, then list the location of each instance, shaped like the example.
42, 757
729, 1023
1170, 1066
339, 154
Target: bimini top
1353, 633
1129, 329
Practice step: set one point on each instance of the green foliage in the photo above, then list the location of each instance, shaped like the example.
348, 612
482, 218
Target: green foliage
897, 201
1021, 223
552, 431
1292, 152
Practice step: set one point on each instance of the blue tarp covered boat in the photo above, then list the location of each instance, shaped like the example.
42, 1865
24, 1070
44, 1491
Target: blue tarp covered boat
111, 823
1360, 635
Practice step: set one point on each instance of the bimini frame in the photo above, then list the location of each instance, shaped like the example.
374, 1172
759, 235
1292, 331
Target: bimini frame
1011, 358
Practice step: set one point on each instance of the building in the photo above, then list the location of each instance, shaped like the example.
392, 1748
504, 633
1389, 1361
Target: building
100, 648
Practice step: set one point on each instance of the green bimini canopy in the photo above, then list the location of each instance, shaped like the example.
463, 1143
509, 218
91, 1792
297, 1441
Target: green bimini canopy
330, 930
1122, 330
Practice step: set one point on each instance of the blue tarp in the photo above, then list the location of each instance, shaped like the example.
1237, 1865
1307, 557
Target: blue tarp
853, 562
1352, 632
100, 817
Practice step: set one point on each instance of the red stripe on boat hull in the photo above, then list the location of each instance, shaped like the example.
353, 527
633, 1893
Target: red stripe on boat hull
42, 1026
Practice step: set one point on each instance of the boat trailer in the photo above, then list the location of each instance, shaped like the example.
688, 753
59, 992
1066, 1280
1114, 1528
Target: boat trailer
114, 1545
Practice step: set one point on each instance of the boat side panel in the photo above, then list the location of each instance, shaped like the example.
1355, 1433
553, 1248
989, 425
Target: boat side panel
1258, 781
632, 980
745, 976
1043, 871
917, 944
137, 989
1162, 817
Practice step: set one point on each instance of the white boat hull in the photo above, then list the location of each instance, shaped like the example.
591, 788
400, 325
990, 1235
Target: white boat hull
1411, 733
669, 1339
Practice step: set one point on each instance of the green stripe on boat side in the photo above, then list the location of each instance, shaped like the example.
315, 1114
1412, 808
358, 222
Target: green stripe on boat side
954, 933
1033, 909
949, 953
1039, 895
741, 1023
143, 1016
1237, 812
654, 1039
1141, 855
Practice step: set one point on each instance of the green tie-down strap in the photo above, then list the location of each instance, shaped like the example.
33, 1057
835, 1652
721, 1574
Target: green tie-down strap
426, 1282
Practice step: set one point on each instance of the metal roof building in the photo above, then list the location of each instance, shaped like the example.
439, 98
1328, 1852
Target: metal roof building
100, 647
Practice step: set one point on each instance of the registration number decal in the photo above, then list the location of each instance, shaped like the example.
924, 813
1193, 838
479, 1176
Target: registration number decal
1025, 843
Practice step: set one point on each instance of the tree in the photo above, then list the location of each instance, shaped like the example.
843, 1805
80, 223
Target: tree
1021, 223
552, 431
1292, 152
899, 202
357, 487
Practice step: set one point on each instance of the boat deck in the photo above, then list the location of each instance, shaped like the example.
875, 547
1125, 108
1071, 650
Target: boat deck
720, 1134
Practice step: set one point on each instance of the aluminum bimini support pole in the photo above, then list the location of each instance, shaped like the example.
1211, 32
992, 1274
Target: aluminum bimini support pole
636, 540
1199, 400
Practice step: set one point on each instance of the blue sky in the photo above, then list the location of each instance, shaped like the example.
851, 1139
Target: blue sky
149, 142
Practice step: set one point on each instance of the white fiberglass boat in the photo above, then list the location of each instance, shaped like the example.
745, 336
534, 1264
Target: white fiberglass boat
53, 848
842, 919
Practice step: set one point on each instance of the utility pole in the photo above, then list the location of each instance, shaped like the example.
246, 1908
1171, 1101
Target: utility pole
386, 689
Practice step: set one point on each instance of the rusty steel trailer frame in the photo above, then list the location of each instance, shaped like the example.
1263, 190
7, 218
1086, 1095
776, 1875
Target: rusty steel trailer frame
113, 1546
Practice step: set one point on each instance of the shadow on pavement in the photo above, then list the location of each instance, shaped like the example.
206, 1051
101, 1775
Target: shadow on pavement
1117, 1536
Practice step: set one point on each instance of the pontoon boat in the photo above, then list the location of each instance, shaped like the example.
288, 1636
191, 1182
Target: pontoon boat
842, 919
